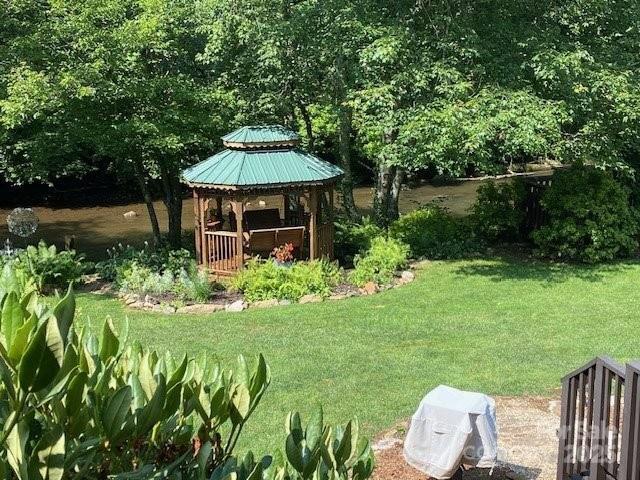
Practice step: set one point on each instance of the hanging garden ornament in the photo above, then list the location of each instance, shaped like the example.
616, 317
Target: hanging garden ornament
22, 222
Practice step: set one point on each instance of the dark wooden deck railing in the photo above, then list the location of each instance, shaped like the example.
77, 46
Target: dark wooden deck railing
630, 445
598, 435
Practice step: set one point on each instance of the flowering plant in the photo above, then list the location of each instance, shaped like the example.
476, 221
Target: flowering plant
283, 253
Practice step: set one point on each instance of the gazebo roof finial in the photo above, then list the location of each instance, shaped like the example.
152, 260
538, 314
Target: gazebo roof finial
262, 137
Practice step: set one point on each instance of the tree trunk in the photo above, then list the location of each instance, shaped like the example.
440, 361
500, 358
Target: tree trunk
344, 134
308, 126
387, 194
346, 185
148, 200
173, 201
381, 196
393, 210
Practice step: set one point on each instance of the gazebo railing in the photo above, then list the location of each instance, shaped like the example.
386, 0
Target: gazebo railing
221, 248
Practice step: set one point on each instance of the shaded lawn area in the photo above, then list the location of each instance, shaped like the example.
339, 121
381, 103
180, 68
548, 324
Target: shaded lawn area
504, 327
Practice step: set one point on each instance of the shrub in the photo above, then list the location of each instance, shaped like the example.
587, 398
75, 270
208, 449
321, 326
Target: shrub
497, 213
187, 284
265, 279
589, 217
156, 259
49, 267
380, 262
74, 405
353, 238
433, 233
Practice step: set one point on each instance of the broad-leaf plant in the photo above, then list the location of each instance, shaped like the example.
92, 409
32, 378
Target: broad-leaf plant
75, 405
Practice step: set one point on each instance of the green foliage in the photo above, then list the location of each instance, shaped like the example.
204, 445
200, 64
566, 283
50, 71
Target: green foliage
433, 233
264, 280
589, 217
75, 405
352, 238
189, 284
156, 259
379, 264
49, 267
498, 211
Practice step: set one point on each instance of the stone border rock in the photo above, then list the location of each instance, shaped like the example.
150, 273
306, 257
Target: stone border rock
151, 304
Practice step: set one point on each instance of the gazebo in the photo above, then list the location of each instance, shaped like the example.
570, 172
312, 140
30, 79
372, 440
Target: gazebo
260, 193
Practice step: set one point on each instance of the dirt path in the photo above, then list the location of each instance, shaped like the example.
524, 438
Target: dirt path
527, 441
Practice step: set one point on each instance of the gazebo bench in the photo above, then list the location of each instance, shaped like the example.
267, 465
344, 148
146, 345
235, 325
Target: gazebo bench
264, 240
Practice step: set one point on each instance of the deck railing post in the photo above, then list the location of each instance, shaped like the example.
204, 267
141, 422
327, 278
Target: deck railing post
630, 448
562, 433
597, 444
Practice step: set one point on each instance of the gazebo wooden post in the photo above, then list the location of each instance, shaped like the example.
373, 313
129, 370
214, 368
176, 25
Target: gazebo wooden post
203, 228
313, 221
286, 206
331, 221
196, 226
238, 207
219, 208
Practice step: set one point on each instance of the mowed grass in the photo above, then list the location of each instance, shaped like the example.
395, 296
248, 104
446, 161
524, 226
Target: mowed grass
504, 327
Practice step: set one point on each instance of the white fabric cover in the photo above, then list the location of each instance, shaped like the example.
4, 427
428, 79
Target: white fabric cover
452, 427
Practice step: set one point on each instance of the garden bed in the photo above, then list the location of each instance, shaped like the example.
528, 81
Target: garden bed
234, 301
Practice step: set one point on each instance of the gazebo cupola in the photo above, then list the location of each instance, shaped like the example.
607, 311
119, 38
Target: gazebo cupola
258, 164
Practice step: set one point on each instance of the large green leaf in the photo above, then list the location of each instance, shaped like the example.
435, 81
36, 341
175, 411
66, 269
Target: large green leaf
293, 454
39, 365
153, 411
178, 374
21, 339
55, 341
75, 393
146, 376
7, 380
50, 451
116, 412
109, 344
314, 429
16, 448
64, 312
241, 401
11, 318
260, 379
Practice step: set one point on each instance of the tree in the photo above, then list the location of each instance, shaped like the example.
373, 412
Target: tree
118, 79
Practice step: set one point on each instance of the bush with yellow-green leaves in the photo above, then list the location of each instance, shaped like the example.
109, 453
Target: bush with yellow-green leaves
74, 405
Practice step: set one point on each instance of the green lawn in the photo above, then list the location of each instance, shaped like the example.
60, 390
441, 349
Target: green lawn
503, 327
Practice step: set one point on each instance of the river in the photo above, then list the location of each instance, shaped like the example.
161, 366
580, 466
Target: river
97, 228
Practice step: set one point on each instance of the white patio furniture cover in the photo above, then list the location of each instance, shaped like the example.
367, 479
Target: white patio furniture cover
451, 428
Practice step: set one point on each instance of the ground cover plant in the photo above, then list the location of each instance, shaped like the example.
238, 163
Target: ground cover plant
266, 279
77, 405
380, 262
171, 275
501, 326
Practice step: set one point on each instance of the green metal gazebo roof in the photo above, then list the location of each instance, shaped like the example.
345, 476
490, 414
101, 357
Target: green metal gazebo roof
262, 134
247, 164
